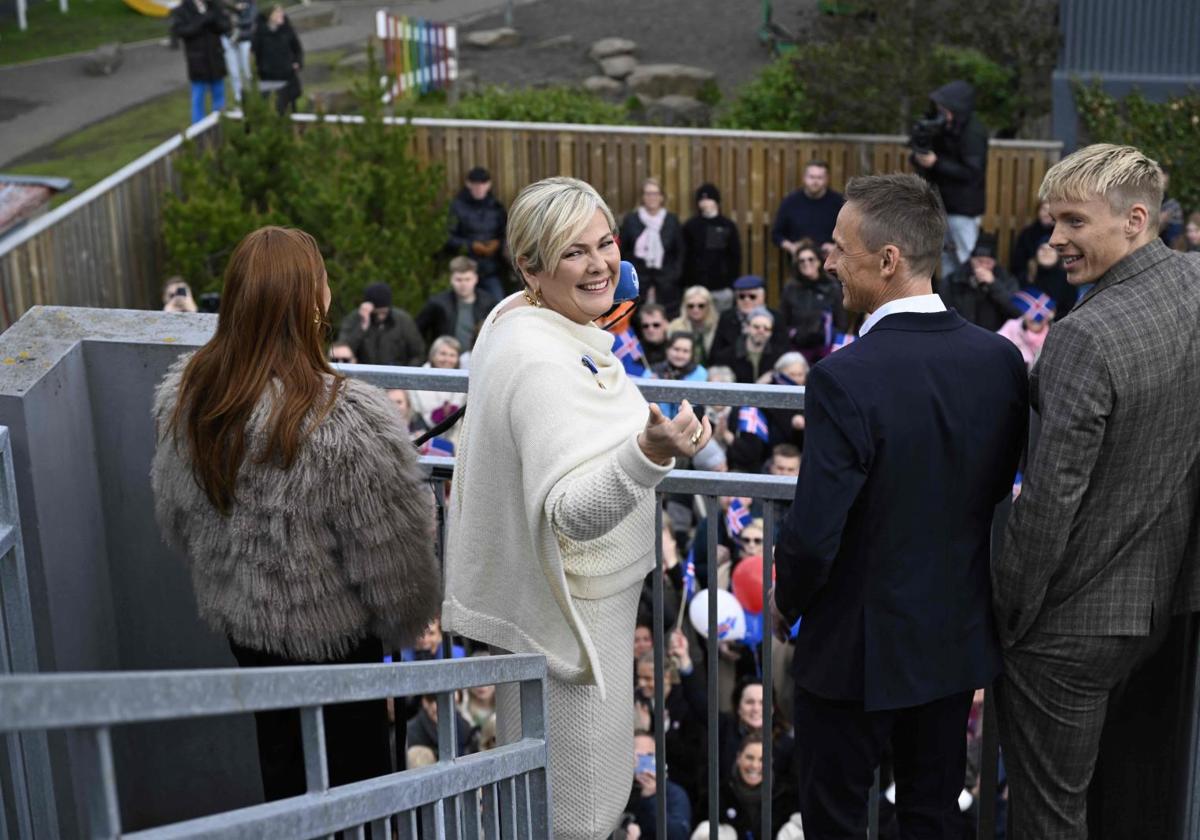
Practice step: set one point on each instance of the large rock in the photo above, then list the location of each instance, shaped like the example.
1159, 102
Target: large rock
618, 66
677, 111
659, 80
486, 39
103, 61
606, 47
602, 85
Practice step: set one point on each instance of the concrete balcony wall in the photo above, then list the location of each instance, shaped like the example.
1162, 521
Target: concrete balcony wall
76, 390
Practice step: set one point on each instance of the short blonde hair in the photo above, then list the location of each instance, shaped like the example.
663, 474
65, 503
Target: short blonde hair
547, 217
1121, 175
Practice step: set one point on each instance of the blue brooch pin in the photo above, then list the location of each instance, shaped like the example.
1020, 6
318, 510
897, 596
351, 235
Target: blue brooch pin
590, 365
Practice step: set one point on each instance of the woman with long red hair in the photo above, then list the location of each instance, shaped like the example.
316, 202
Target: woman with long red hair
296, 497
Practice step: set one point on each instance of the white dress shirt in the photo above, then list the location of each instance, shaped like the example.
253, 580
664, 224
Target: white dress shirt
916, 303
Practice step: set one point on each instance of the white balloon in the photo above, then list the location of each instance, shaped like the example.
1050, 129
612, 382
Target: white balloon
731, 618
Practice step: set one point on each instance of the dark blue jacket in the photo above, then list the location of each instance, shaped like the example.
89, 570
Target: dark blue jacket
679, 813
913, 436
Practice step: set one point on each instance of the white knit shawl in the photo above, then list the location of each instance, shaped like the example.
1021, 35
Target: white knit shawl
540, 429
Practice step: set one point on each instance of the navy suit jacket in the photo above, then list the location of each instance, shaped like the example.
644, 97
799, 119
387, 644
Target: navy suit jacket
913, 436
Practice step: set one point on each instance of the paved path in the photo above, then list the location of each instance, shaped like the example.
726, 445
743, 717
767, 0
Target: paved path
44, 101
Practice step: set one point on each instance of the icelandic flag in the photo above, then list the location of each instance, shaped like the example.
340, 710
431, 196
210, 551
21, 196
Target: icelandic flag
750, 419
439, 446
737, 517
689, 576
840, 340
628, 349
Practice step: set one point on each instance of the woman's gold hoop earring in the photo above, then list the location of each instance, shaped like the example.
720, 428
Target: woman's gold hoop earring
317, 318
534, 299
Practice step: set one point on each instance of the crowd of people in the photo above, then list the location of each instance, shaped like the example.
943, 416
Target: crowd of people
699, 318
220, 37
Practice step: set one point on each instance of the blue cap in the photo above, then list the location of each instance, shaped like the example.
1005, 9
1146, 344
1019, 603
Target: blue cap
749, 281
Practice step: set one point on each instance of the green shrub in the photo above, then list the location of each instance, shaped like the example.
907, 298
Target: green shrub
377, 212
872, 72
1166, 131
774, 100
547, 104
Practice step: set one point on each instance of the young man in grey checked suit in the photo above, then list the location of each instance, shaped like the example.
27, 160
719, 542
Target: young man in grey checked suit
1101, 546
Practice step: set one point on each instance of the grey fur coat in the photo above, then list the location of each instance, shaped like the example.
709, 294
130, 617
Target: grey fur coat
313, 558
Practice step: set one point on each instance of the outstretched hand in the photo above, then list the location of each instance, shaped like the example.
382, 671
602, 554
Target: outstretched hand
681, 437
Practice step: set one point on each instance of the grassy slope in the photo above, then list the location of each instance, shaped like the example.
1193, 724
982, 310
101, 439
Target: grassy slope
87, 24
101, 149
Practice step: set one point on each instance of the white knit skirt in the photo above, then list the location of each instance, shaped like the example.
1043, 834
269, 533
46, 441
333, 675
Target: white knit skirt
591, 741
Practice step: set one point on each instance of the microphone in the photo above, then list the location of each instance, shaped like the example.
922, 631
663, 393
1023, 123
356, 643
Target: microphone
627, 284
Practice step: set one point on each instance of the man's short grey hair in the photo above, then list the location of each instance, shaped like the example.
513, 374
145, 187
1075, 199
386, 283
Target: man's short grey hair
549, 215
1121, 175
760, 312
901, 210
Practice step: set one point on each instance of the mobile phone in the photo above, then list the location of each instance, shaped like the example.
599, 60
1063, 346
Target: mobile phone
645, 763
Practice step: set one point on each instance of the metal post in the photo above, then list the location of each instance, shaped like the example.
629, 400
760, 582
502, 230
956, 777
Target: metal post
660, 734
767, 681
29, 752
312, 732
714, 735
534, 715
104, 810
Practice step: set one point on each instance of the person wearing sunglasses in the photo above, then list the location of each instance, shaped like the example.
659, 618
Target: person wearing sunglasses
699, 317
812, 305
749, 293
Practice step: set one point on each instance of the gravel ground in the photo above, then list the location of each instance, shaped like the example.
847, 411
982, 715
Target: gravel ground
719, 35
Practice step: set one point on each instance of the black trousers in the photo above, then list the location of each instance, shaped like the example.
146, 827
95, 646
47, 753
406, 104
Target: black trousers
838, 747
356, 734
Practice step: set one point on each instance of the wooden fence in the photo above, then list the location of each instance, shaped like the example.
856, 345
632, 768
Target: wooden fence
753, 170
104, 247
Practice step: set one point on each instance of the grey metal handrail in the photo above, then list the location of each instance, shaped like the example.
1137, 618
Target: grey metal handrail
439, 800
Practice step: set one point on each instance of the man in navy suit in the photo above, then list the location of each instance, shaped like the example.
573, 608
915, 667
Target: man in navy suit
913, 435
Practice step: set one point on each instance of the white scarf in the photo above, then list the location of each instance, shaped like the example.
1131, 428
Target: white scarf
649, 246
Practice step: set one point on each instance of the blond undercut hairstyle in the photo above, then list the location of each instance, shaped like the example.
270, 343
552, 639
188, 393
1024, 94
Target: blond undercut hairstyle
1121, 175
547, 217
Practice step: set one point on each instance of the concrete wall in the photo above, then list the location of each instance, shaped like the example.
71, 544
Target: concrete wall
76, 387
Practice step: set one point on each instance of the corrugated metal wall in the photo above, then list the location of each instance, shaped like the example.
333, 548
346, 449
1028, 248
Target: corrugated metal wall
1150, 37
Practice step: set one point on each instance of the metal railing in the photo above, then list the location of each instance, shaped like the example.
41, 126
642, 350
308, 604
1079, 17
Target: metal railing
773, 492
440, 801
28, 754
500, 794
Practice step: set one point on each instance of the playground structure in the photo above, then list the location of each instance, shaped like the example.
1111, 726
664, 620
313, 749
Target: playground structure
152, 8
419, 56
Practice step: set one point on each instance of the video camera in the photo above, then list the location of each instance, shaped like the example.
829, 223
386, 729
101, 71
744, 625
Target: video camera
925, 132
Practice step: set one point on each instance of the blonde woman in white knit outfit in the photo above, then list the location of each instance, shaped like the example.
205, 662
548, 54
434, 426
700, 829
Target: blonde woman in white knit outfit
551, 526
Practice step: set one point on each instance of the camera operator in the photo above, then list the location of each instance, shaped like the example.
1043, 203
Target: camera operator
950, 151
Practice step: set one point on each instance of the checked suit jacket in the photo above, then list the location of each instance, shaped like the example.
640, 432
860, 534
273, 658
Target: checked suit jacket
1103, 540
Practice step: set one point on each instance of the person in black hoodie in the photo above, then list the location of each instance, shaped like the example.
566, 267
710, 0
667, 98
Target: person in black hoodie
460, 310
200, 25
956, 163
712, 247
477, 223
279, 57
